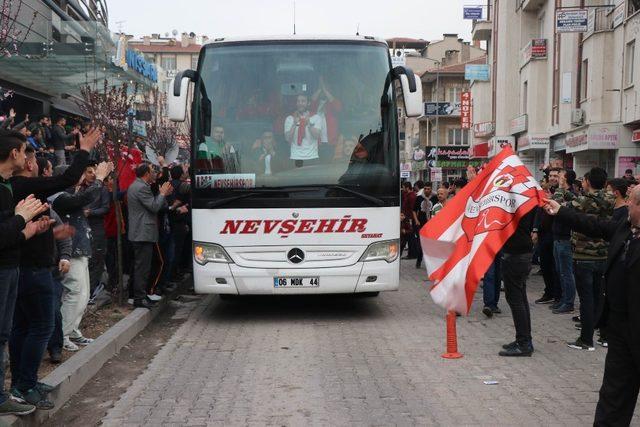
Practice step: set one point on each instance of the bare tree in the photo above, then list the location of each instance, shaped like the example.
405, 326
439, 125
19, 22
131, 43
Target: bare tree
108, 108
13, 32
161, 132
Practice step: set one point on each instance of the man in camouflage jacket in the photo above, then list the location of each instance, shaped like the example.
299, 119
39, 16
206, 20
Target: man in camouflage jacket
590, 254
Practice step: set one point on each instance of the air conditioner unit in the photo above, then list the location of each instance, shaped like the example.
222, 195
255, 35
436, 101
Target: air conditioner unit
577, 116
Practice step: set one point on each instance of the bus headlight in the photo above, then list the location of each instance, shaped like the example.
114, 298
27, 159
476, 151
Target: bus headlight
209, 252
387, 250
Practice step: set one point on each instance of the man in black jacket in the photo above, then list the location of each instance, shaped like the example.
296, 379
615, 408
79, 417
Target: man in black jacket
60, 140
517, 253
34, 317
15, 227
618, 310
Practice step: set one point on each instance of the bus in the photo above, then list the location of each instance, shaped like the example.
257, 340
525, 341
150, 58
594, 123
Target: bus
295, 164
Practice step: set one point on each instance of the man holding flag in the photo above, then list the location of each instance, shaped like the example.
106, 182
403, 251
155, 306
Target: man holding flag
494, 210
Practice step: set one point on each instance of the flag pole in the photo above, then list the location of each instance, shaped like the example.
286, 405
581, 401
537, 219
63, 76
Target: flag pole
452, 337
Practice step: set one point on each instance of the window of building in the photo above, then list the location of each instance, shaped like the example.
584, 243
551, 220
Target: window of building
634, 6
584, 80
541, 25
454, 94
525, 97
168, 62
629, 60
194, 62
458, 136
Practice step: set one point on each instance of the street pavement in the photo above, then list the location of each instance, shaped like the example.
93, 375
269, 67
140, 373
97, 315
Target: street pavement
344, 360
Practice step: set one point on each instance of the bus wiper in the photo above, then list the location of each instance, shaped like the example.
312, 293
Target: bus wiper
374, 200
247, 194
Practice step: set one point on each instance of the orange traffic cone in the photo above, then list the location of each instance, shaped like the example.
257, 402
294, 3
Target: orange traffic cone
452, 338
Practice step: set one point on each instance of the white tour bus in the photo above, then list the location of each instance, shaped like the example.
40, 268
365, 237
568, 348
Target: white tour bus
295, 182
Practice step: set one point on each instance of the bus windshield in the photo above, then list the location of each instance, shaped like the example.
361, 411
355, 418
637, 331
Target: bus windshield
295, 114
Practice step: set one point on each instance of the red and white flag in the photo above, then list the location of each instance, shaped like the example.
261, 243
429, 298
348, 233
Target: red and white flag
461, 241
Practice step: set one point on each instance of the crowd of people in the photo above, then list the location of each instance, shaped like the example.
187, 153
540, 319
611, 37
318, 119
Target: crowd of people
59, 205
586, 241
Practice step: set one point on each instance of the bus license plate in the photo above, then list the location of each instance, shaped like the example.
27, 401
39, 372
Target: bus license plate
296, 282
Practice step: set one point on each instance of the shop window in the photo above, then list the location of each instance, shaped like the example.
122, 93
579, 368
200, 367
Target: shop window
630, 54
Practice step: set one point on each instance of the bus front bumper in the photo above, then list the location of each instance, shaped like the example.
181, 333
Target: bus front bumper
219, 278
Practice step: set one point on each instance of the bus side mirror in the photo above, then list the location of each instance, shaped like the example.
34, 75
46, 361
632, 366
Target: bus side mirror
179, 94
412, 100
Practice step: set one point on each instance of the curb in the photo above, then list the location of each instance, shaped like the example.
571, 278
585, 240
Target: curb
68, 378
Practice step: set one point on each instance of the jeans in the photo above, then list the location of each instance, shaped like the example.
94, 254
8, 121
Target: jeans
515, 270
55, 342
562, 253
492, 282
60, 157
180, 232
8, 294
98, 251
33, 323
143, 253
589, 285
75, 296
552, 286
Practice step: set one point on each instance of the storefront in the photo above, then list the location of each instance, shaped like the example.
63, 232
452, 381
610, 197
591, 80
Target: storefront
558, 150
482, 133
532, 150
452, 160
594, 145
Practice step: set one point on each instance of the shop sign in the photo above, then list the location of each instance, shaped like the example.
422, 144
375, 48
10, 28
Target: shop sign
519, 124
405, 167
618, 15
478, 72
497, 143
635, 136
454, 164
572, 21
628, 162
472, 12
480, 150
405, 174
594, 138
418, 155
462, 153
441, 109
136, 62
484, 129
532, 142
465, 110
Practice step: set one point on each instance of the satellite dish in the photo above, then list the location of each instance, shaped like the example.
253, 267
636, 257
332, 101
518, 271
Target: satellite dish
174, 32
166, 34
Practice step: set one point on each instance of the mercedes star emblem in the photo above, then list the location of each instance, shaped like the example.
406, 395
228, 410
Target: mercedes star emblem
295, 256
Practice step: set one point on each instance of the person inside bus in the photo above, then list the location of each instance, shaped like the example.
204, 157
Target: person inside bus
217, 155
302, 131
327, 107
266, 155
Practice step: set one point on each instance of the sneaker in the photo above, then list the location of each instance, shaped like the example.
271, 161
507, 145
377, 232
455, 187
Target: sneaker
496, 310
68, 345
55, 356
544, 300
580, 345
11, 407
44, 389
33, 397
578, 326
487, 312
555, 305
576, 319
563, 309
603, 343
510, 345
82, 340
154, 298
517, 351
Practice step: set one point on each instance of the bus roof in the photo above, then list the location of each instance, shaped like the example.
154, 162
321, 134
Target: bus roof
314, 38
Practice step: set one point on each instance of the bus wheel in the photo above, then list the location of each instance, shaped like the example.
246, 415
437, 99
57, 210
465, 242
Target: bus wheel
370, 294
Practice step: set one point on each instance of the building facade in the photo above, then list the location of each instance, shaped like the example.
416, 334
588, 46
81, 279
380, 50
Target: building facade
557, 90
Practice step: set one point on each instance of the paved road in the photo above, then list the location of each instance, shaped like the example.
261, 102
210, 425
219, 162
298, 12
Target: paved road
364, 361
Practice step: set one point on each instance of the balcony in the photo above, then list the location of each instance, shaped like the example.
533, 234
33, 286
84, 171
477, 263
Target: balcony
482, 30
531, 5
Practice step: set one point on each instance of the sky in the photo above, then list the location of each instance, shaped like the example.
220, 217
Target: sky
427, 19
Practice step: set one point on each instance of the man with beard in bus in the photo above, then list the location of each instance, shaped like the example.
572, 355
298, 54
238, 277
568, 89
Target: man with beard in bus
302, 131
